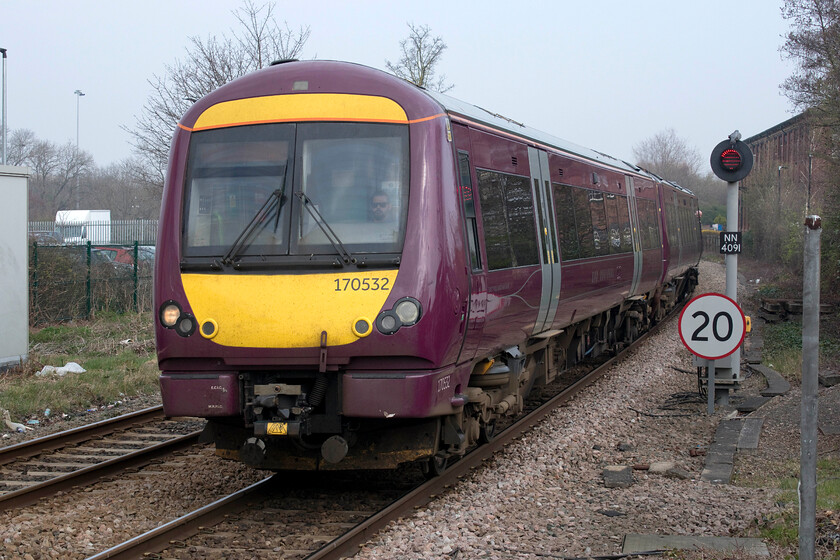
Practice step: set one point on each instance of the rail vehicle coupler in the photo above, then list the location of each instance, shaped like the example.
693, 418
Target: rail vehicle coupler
252, 452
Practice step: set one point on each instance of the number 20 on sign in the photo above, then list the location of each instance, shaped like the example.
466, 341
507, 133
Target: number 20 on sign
712, 326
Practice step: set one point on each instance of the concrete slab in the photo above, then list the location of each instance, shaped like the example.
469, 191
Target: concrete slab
645, 543
829, 429
721, 456
751, 404
618, 476
717, 473
776, 384
750, 433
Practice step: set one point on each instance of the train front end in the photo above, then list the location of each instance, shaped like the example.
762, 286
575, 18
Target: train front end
303, 305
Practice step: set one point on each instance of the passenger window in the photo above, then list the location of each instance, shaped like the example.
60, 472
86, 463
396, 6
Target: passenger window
469, 209
507, 214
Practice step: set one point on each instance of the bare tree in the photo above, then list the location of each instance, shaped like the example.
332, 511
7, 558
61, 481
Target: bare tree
207, 65
22, 142
421, 53
55, 183
117, 188
670, 157
814, 44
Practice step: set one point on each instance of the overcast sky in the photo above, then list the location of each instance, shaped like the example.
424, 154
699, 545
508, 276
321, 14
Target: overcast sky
602, 74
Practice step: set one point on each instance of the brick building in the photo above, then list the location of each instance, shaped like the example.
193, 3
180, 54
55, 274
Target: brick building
787, 165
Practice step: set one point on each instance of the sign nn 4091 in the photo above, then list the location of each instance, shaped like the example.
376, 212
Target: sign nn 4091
730, 242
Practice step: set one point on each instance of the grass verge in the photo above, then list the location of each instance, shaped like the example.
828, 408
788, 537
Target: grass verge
117, 352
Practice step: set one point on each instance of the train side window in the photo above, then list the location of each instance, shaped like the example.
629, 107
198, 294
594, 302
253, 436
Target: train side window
507, 214
599, 223
624, 224
567, 228
469, 209
671, 219
613, 227
583, 221
648, 224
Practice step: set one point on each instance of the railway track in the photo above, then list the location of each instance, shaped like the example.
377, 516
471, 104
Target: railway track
322, 516
36, 468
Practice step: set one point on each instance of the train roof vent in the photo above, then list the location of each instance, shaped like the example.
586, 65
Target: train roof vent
283, 61
514, 161
560, 171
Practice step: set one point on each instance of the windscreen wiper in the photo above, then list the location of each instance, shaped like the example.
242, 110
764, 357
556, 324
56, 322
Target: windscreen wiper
345, 255
273, 204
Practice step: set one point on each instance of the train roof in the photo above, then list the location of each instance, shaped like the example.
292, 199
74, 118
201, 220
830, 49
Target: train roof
497, 121
356, 77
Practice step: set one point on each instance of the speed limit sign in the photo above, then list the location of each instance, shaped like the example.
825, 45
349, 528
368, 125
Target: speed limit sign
712, 326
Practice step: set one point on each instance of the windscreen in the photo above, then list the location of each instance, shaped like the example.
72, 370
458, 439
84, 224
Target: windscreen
232, 173
294, 189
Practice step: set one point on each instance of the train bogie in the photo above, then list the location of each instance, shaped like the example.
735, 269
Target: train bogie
353, 272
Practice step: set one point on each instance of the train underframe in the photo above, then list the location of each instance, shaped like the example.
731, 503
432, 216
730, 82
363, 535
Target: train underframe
310, 438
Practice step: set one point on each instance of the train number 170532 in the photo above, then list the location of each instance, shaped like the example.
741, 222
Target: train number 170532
361, 284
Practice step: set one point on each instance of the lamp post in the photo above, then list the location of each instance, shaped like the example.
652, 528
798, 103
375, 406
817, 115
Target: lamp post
779, 192
78, 94
3, 161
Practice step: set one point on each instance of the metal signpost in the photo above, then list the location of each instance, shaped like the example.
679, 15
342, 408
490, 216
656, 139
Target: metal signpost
810, 384
731, 161
712, 326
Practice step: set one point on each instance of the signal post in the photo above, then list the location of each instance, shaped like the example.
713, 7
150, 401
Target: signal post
732, 161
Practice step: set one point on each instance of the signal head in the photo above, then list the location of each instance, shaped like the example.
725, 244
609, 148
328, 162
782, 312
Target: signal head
731, 161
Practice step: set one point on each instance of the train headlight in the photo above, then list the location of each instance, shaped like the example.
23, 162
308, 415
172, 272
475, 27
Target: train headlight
172, 317
170, 312
405, 313
388, 323
408, 311
186, 325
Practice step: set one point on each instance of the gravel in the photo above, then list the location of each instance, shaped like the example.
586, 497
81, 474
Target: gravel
543, 497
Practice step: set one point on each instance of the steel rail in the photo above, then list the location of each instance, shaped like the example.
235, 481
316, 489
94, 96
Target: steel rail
348, 544
189, 524
81, 477
30, 448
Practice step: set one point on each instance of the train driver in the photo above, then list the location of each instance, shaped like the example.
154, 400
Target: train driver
380, 207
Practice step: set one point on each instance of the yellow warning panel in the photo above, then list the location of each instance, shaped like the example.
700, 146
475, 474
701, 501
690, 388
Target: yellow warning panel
277, 429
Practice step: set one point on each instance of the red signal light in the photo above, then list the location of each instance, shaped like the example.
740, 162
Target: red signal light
730, 159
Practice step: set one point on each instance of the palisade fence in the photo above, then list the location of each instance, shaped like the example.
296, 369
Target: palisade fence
75, 278
122, 232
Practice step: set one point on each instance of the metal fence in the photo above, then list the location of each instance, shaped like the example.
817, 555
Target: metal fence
118, 232
74, 281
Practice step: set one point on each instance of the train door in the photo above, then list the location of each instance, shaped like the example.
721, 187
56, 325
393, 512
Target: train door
547, 237
637, 243
474, 304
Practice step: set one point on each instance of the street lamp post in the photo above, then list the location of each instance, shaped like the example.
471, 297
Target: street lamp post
78, 94
3, 161
779, 192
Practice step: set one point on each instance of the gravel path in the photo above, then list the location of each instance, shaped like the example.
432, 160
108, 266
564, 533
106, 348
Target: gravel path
543, 497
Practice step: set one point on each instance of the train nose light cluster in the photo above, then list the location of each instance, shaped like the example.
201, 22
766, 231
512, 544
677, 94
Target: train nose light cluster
172, 317
362, 327
408, 310
170, 312
405, 313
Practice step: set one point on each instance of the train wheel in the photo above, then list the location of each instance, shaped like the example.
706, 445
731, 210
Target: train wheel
487, 432
435, 466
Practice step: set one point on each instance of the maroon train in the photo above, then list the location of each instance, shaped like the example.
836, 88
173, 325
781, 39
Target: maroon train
354, 272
